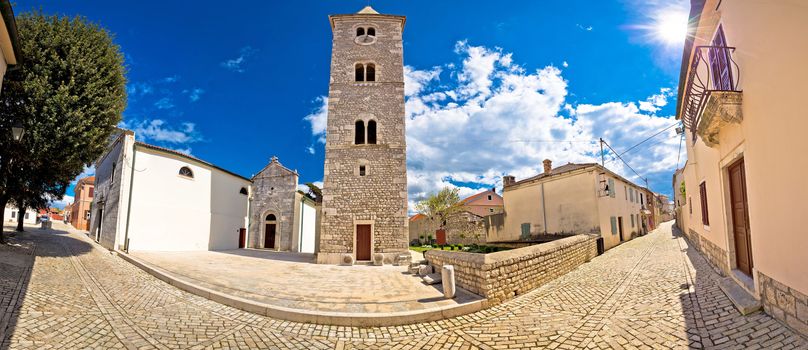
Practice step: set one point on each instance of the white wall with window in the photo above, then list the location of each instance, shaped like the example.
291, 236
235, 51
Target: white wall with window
10, 213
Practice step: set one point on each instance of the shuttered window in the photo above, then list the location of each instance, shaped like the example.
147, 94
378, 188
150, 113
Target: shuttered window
612, 190
632, 220
705, 217
614, 225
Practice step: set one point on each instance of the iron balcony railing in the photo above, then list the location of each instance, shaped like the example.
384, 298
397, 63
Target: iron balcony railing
712, 69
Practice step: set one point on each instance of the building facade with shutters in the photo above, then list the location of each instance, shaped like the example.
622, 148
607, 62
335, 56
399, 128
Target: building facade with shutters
365, 172
79, 212
741, 100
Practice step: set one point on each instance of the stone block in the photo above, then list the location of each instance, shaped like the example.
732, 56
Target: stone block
378, 259
346, 260
448, 278
424, 270
432, 278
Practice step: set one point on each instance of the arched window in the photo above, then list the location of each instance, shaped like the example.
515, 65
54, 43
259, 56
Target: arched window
372, 132
360, 31
243, 191
370, 74
371, 31
271, 217
359, 70
359, 133
186, 171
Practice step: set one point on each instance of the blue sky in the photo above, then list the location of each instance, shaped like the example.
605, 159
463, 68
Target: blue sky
491, 89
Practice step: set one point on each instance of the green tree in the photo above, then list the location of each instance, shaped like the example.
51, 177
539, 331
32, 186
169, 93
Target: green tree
68, 92
440, 206
315, 192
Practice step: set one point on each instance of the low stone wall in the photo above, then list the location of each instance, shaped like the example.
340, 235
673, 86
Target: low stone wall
503, 275
712, 252
784, 303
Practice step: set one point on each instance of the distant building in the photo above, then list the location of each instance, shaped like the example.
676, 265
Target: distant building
464, 227
742, 99
9, 41
571, 199
11, 214
82, 203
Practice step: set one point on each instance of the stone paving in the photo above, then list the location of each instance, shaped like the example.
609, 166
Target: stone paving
649, 293
293, 280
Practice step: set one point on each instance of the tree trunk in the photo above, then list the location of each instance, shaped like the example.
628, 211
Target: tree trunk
20, 217
3, 202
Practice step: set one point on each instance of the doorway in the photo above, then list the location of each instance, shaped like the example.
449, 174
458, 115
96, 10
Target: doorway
242, 237
620, 227
740, 217
362, 242
269, 231
98, 227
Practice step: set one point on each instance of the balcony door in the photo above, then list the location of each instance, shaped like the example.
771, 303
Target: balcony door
720, 62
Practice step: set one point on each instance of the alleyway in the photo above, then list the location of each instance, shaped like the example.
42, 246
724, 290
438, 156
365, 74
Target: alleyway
652, 292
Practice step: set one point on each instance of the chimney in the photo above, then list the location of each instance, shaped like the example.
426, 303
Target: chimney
548, 166
508, 180
494, 189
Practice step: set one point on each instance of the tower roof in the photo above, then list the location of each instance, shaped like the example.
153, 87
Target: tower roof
367, 10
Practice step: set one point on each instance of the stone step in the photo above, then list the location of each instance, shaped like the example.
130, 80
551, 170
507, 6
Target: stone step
743, 300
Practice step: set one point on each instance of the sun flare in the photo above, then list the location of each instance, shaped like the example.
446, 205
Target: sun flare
670, 26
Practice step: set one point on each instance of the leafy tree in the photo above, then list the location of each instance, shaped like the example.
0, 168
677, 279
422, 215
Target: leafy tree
440, 206
68, 92
315, 192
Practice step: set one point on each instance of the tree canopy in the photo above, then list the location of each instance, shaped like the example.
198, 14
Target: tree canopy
68, 92
440, 205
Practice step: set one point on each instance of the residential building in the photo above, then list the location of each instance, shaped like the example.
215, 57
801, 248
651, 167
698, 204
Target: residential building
9, 41
464, 227
281, 217
82, 203
741, 100
11, 214
365, 172
570, 199
152, 198
679, 198
650, 211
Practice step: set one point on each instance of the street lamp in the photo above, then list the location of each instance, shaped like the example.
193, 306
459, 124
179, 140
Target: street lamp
17, 131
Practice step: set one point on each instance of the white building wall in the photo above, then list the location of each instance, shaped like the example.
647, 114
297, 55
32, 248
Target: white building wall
169, 212
30, 219
308, 225
228, 210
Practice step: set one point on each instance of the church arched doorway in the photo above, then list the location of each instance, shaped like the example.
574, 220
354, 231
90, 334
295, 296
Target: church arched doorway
270, 225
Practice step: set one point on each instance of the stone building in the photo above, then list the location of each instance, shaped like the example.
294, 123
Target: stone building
272, 204
365, 174
467, 226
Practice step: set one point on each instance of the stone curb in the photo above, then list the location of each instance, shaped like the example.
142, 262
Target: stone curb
308, 316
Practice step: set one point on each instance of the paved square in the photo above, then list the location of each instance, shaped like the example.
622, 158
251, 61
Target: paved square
60, 292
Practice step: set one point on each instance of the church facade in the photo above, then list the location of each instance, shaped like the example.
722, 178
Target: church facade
365, 175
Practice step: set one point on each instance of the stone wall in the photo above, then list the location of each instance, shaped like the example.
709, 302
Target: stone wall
784, 303
712, 252
503, 275
379, 196
273, 192
461, 228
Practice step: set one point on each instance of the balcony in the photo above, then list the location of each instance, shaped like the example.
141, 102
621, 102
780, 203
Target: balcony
712, 96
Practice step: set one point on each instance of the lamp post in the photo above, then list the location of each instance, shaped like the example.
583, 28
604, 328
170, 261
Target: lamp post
17, 131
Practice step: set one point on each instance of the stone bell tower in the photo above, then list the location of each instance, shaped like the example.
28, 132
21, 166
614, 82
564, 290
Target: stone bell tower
365, 175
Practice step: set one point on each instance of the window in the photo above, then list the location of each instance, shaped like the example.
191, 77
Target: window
372, 132
614, 225
489, 197
611, 188
490, 210
186, 171
690, 205
625, 189
27, 215
632, 220
359, 133
359, 72
13, 214
371, 31
720, 62
243, 191
87, 214
360, 31
370, 72
705, 217
641, 199
112, 177
91, 192
362, 170
631, 194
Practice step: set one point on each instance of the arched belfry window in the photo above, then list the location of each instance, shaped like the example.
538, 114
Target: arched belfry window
243, 191
359, 71
186, 171
372, 132
372, 31
360, 31
359, 133
370, 72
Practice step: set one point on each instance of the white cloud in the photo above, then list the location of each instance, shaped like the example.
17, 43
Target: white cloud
62, 203
157, 130
565, 64
136, 89
164, 103
318, 119
583, 27
654, 102
236, 64
310, 149
304, 188
88, 171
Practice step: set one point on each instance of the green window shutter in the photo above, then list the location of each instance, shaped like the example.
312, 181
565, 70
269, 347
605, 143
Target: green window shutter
632, 220
612, 190
525, 230
614, 225
631, 192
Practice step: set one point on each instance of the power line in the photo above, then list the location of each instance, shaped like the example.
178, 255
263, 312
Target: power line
648, 138
680, 150
624, 162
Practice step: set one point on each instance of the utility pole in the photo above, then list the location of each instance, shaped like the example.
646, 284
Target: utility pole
602, 159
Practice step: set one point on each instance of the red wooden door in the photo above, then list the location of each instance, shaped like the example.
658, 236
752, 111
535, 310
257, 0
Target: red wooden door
740, 217
440, 236
242, 237
362, 242
269, 236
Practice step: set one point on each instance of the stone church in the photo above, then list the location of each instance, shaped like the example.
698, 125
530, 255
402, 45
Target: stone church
364, 208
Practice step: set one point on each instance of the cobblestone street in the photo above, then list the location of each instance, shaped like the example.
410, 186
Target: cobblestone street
652, 292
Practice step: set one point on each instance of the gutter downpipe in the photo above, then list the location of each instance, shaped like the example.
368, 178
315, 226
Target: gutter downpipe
129, 202
543, 208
